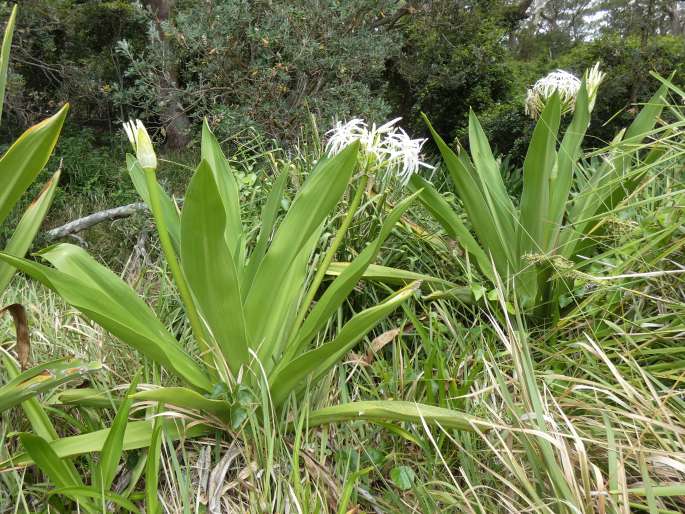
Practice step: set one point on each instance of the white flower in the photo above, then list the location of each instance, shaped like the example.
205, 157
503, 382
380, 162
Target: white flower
567, 86
404, 155
141, 143
559, 81
388, 147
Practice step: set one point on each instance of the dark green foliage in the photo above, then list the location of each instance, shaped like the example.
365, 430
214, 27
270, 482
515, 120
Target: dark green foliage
454, 58
267, 65
627, 62
63, 51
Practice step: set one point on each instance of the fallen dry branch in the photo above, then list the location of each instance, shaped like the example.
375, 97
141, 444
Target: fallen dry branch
86, 222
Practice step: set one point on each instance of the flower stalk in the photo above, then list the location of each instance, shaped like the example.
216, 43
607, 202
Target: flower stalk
145, 153
330, 253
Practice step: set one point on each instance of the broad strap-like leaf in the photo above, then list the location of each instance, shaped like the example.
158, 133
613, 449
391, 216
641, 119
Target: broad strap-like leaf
537, 171
534, 221
170, 213
285, 303
476, 207
88, 397
106, 468
5, 55
490, 179
138, 434
28, 226
27, 156
210, 268
42, 378
268, 221
450, 222
58, 469
561, 178
384, 411
228, 190
342, 286
314, 363
106, 299
313, 204
187, 399
389, 275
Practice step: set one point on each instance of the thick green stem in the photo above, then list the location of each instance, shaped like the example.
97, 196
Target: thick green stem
175, 268
330, 254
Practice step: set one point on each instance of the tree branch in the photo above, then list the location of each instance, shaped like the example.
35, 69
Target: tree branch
93, 219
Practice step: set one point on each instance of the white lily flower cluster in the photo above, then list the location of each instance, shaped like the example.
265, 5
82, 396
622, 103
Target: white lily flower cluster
559, 81
567, 86
141, 143
388, 147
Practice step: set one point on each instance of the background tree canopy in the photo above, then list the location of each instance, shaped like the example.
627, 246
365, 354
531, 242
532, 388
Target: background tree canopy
277, 68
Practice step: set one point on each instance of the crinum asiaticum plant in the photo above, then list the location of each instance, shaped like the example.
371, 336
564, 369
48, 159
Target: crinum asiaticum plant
249, 303
19, 167
523, 244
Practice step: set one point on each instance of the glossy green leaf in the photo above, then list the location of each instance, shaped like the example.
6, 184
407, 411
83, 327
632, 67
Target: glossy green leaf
476, 207
28, 226
268, 221
106, 299
384, 411
534, 221
537, 171
317, 362
227, 187
187, 399
105, 471
313, 204
491, 183
450, 222
5, 55
27, 156
210, 268
388, 275
561, 177
138, 434
85, 397
55, 467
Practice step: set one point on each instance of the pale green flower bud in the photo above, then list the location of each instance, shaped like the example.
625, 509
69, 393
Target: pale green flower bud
593, 79
141, 143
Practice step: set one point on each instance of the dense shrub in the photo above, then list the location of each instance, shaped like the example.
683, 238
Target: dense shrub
63, 51
627, 62
454, 58
266, 65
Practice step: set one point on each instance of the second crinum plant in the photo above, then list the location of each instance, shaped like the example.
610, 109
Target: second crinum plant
525, 244
248, 302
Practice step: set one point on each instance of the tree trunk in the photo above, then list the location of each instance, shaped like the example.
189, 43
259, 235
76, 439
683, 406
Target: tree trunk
176, 122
